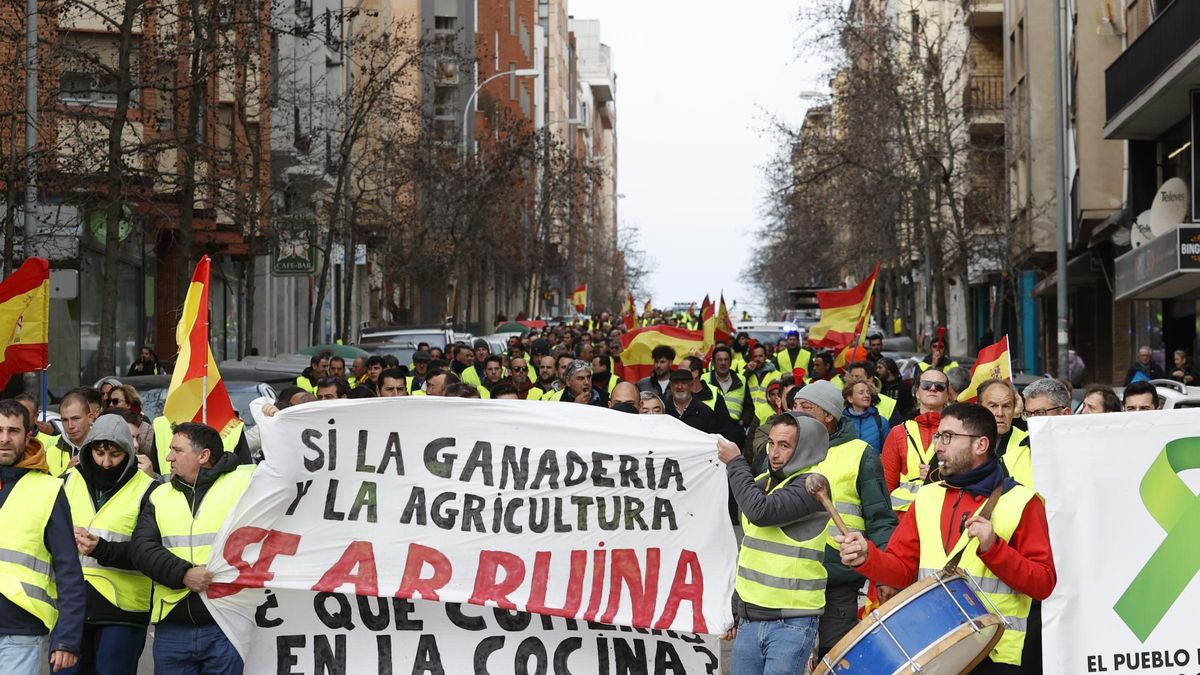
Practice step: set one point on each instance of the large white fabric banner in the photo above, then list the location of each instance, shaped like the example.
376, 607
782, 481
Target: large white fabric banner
1121, 496
558, 510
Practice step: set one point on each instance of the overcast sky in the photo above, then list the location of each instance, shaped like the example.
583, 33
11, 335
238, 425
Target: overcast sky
694, 77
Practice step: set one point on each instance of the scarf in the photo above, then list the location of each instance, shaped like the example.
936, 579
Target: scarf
982, 480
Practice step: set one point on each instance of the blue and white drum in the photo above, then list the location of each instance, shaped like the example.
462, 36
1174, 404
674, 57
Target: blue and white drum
940, 625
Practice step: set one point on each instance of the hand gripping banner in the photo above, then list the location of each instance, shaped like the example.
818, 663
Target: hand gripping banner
1173, 566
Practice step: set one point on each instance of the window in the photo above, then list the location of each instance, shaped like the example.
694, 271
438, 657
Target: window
444, 23
915, 20
224, 123
512, 17
87, 88
512, 82
443, 102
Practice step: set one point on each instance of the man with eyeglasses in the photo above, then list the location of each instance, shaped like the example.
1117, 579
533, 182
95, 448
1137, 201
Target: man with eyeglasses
908, 452
1141, 397
1008, 553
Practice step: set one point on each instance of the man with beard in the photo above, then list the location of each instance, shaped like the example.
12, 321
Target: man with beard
779, 592
41, 582
659, 381
1007, 551
685, 406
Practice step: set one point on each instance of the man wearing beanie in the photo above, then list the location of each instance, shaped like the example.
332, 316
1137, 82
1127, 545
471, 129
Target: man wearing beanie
856, 476
172, 544
105, 491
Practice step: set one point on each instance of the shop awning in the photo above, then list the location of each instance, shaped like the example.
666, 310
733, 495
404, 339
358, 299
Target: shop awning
1164, 268
1082, 270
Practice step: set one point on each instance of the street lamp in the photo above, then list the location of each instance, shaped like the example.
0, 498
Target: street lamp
520, 72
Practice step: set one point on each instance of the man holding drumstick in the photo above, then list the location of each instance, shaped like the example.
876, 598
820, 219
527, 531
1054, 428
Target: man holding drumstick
1008, 554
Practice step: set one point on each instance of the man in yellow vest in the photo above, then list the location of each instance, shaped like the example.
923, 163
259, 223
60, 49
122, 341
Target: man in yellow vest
1007, 554
779, 592
733, 389
173, 542
856, 476
76, 416
105, 492
792, 355
318, 367
1012, 443
41, 584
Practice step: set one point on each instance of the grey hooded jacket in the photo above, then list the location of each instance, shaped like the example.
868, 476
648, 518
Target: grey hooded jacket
790, 507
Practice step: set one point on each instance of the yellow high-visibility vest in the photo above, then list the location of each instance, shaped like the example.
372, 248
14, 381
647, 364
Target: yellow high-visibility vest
1013, 605
774, 570
1017, 458
128, 590
164, 431
840, 468
26, 568
910, 480
191, 537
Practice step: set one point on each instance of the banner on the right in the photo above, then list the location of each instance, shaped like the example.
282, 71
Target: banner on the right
1121, 497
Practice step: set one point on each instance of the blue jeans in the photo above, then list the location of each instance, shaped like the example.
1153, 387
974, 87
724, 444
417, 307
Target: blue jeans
194, 650
24, 654
779, 647
109, 650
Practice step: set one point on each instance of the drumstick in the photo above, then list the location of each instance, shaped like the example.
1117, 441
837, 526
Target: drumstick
823, 496
986, 513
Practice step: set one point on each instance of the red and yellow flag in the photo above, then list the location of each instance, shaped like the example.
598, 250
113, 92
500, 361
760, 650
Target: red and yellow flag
724, 330
579, 298
630, 312
25, 319
994, 363
843, 314
187, 398
637, 344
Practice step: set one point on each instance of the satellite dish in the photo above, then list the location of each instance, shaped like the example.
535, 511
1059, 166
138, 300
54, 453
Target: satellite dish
1170, 207
1139, 232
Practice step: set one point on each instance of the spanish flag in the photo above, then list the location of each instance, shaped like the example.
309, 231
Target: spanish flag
843, 314
637, 344
630, 311
708, 322
25, 319
187, 398
994, 363
579, 298
724, 330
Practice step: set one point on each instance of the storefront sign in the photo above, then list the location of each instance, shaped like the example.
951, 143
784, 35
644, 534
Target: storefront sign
293, 255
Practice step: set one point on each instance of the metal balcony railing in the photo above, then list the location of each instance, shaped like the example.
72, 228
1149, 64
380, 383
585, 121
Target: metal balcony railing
984, 95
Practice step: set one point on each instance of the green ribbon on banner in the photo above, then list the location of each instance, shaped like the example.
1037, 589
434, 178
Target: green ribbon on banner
1177, 510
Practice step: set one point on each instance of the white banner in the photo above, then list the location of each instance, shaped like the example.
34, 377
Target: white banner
1125, 526
304, 632
554, 509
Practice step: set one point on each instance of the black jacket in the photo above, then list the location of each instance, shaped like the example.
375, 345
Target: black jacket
709, 420
164, 567
1151, 371
650, 384
60, 541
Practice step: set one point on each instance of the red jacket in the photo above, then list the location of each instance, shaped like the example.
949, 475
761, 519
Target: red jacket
895, 448
1025, 563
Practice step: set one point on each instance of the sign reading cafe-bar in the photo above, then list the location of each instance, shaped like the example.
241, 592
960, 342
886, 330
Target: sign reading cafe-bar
582, 518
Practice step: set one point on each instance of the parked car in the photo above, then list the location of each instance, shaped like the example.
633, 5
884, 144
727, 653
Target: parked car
769, 332
152, 389
436, 336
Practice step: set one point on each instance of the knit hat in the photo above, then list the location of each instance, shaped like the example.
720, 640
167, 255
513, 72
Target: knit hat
825, 396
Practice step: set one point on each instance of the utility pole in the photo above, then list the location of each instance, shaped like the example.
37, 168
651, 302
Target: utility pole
31, 115
1060, 110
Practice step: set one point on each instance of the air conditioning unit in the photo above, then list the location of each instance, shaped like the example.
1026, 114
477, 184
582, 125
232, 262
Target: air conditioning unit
446, 71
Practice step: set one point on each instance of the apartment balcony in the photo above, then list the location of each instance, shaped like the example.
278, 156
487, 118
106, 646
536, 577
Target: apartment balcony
983, 103
984, 13
1147, 87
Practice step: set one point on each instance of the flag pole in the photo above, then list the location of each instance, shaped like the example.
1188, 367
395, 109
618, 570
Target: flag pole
45, 392
208, 350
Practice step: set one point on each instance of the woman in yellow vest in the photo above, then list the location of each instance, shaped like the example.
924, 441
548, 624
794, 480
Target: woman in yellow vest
105, 492
1008, 554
